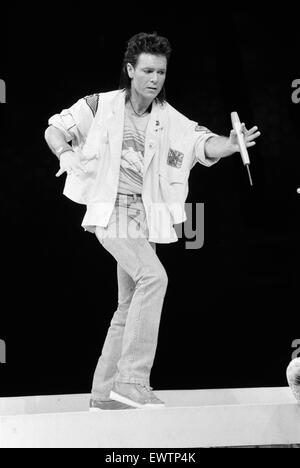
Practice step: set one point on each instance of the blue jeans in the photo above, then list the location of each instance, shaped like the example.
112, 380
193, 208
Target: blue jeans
130, 345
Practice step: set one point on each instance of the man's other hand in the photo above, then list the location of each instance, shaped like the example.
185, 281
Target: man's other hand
70, 163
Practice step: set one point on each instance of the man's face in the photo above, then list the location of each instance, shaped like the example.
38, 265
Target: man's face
148, 76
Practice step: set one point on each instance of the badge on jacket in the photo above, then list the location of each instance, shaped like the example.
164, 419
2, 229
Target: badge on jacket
175, 158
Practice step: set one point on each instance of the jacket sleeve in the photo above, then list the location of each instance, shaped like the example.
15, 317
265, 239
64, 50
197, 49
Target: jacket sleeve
200, 135
76, 121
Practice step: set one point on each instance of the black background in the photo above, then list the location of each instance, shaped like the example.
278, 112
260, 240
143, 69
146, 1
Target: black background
231, 310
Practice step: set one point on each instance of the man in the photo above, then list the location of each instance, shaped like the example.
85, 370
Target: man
293, 377
129, 162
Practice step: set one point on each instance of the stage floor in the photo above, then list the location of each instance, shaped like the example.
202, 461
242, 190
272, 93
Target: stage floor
191, 418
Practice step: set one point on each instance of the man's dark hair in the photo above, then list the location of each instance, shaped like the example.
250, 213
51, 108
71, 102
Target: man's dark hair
147, 44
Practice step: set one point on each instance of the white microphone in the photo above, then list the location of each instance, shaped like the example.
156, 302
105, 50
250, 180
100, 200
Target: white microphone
237, 126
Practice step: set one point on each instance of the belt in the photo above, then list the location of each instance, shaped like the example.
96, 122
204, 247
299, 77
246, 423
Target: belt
134, 196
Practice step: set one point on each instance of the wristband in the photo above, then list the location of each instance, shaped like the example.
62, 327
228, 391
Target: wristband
63, 149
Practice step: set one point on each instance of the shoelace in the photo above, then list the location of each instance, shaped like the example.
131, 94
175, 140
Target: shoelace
145, 387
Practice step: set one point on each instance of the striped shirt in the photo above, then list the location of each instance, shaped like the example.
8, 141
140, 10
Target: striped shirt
132, 157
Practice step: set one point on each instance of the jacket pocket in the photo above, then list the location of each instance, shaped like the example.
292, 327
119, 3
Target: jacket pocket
174, 175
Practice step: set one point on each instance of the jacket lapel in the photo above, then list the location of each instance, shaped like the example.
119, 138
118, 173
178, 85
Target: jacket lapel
115, 128
153, 133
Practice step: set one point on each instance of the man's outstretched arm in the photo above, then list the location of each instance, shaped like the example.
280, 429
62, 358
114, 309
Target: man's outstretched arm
221, 146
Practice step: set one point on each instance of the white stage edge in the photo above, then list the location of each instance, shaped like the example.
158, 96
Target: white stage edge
191, 418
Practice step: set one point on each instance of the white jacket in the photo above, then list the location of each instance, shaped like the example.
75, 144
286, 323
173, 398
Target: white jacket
173, 145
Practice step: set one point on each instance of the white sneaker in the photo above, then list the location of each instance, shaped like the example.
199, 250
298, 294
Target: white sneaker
136, 395
96, 405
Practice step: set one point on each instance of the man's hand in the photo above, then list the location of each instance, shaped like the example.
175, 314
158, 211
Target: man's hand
249, 137
222, 147
70, 163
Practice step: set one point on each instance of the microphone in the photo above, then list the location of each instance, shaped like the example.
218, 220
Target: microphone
236, 125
